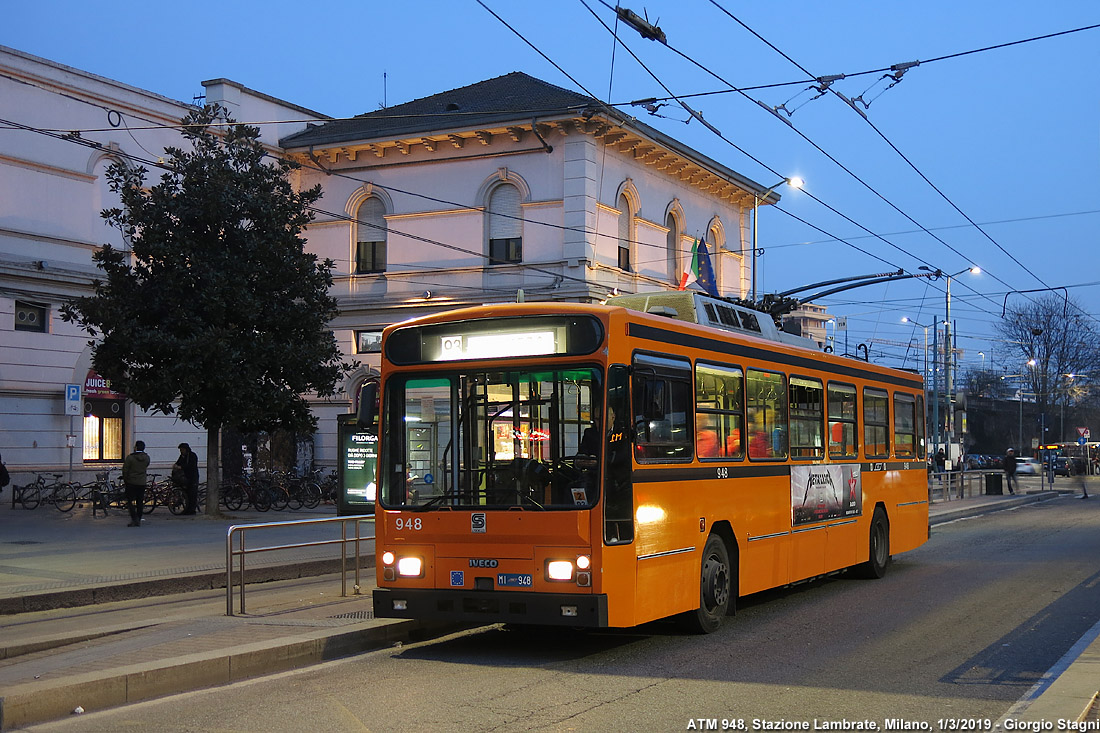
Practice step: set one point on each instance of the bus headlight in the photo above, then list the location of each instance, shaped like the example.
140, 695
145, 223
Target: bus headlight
559, 570
410, 567
584, 562
387, 558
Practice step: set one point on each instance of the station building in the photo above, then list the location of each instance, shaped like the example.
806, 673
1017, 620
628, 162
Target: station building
508, 188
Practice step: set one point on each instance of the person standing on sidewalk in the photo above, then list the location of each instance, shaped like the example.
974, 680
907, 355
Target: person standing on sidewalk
1010, 471
134, 475
188, 463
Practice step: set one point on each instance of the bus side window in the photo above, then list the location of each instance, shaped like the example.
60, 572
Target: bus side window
661, 392
842, 421
876, 422
719, 411
766, 395
905, 426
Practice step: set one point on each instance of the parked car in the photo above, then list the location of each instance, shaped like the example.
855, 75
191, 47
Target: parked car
1028, 466
1062, 466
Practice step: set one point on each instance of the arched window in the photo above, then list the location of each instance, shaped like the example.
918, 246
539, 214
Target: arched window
626, 231
505, 226
370, 247
672, 248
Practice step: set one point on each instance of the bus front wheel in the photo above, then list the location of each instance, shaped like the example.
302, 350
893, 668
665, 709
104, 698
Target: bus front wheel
878, 547
715, 586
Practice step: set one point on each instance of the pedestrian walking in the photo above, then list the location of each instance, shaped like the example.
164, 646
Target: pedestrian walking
135, 478
5, 478
187, 476
941, 461
1082, 474
1010, 471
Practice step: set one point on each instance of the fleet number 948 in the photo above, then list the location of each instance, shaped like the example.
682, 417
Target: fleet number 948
410, 523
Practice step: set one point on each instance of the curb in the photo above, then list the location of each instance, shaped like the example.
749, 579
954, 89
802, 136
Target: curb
168, 585
37, 702
974, 511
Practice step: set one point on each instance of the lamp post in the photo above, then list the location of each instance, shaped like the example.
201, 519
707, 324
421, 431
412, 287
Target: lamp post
935, 381
948, 352
794, 182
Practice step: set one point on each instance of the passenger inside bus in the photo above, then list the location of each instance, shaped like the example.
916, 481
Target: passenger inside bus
759, 443
706, 437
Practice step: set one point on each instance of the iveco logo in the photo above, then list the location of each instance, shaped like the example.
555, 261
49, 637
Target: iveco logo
483, 563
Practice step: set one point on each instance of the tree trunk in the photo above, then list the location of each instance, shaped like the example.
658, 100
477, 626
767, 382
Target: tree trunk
213, 468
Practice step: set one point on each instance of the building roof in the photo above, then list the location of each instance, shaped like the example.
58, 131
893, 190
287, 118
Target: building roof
507, 97
512, 98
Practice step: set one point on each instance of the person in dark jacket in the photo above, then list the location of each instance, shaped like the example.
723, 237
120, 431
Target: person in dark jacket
1010, 471
188, 463
135, 477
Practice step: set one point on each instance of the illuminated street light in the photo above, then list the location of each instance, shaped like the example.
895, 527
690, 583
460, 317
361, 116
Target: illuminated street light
794, 182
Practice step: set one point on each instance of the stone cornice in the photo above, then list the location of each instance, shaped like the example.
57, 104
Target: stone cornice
622, 139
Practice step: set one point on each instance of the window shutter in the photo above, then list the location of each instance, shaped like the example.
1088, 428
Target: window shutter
505, 200
372, 221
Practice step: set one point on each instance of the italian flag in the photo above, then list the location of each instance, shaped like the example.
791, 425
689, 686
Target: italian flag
695, 269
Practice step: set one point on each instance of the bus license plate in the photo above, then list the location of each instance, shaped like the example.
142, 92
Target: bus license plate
519, 580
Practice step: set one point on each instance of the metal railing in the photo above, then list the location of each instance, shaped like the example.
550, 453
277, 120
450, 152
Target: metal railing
950, 485
241, 551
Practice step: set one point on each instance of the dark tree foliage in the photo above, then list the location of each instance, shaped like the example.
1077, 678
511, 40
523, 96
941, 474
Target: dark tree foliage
1057, 348
216, 312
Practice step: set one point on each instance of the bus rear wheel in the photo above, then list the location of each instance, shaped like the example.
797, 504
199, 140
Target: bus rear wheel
716, 584
878, 547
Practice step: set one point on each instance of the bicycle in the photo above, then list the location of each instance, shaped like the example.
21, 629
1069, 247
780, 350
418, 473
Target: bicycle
103, 492
59, 493
177, 499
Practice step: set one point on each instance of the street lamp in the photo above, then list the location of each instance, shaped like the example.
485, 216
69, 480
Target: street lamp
948, 348
935, 382
794, 182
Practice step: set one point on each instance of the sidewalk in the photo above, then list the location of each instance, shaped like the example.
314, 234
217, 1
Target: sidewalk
137, 642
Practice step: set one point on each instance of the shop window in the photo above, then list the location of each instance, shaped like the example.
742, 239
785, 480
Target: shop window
104, 422
368, 342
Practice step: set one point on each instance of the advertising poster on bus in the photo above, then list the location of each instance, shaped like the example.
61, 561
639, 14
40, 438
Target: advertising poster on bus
819, 493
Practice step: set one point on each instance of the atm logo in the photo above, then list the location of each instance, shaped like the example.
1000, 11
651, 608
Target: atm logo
477, 522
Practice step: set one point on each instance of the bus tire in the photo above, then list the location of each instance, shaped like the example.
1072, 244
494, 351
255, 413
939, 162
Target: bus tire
715, 588
878, 547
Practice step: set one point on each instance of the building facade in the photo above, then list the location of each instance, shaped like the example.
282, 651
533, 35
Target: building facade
508, 188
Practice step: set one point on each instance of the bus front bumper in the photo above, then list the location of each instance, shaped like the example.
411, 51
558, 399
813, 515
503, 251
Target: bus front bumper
488, 607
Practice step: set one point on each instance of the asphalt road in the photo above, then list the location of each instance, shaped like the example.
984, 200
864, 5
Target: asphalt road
959, 629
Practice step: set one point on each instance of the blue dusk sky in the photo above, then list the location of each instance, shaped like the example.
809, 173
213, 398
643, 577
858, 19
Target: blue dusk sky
977, 156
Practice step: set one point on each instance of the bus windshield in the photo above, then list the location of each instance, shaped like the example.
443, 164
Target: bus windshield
492, 439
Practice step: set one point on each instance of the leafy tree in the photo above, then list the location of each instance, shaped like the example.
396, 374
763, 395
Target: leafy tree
984, 383
1057, 347
216, 312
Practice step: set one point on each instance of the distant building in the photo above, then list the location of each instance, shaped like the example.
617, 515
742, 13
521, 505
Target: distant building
808, 320
463, 197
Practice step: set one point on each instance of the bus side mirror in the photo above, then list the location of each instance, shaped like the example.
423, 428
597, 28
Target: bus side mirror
367, 415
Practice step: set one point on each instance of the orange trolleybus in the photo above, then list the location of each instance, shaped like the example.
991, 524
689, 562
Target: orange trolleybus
609, 465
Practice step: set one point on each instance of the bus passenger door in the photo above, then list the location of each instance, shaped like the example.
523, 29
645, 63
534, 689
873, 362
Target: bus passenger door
618, 565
